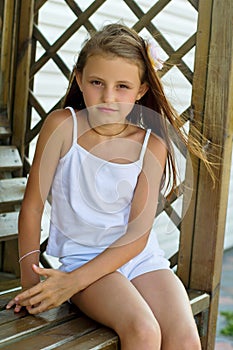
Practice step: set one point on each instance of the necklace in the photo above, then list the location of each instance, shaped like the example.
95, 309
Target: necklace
101, 134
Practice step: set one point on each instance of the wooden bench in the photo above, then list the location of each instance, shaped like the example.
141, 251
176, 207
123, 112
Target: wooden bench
64, 327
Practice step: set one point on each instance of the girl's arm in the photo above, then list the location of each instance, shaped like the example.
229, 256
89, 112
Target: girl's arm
48, 151
60, 286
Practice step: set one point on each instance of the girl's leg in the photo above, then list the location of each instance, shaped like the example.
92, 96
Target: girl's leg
167, 298
116, 303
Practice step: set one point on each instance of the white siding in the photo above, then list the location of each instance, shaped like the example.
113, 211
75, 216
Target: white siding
177, 22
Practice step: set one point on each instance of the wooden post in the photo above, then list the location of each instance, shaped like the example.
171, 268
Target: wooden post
213, 105
7, 26
24, 38
192, 167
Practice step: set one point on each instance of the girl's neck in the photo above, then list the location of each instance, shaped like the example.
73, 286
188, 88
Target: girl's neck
109, 130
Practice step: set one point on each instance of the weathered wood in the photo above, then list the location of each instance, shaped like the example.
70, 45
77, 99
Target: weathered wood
7, 284
8, 295
8, 55
208, 210
8, 226
199, 301
10, 262
5, 130
51, 52
102, 338
12, 191
25, 17
9, 158
56, 336
35, 324
192, 166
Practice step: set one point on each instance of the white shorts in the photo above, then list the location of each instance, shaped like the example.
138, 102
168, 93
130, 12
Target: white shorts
150, 259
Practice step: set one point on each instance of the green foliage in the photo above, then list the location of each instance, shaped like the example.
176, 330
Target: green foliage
228, 330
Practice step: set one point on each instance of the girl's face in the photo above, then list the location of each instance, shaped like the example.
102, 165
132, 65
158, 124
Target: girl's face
110, 85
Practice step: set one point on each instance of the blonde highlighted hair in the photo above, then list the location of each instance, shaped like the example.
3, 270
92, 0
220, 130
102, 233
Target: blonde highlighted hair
120, 41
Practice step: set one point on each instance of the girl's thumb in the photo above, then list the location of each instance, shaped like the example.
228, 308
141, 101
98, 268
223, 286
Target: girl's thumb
40, 271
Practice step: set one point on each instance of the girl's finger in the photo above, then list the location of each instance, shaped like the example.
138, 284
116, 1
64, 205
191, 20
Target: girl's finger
17, 308
27, 294
10, 304
43, 306
36, 300
41, 271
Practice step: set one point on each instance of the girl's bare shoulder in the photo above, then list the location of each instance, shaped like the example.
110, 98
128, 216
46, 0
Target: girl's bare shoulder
57, 118
157, 147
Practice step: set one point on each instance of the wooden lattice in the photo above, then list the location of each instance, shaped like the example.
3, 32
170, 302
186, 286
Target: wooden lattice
144, 21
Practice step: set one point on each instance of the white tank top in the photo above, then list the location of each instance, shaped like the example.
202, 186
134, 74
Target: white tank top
91, 200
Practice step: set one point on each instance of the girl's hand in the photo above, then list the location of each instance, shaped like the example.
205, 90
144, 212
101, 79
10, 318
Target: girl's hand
52, 292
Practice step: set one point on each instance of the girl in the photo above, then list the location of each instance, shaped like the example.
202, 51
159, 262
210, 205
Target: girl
105, 168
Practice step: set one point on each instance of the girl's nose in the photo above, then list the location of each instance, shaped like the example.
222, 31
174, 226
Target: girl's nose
108, 95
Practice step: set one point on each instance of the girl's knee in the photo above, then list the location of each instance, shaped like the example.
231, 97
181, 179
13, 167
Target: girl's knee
144, 332
191, 341
188, 340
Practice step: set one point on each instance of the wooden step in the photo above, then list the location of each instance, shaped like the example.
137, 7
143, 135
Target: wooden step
11, 191
8, 226
5, 130
9, 159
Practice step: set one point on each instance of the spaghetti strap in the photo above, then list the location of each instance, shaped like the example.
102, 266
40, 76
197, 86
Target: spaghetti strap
144, 146
75, 128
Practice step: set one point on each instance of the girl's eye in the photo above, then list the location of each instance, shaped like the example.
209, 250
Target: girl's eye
96, 82
122, 86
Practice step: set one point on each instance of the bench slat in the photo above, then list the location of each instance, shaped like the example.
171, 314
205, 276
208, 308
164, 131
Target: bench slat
12, 191
9, 158
9, 316
199, 301
30, 324
57, 335
102, 338
8, 226
5, 297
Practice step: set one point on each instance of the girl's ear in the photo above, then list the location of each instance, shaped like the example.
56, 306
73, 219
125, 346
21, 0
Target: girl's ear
78, 77
143, 89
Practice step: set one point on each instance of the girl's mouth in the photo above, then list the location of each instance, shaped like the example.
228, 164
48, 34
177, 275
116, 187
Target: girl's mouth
105, 109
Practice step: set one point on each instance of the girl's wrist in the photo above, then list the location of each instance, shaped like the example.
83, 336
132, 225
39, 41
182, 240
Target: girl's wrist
78, 279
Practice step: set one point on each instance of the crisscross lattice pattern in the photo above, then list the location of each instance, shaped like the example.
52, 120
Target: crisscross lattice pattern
61, 26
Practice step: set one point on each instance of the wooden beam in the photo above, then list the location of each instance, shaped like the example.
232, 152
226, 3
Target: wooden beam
24, 40
7, 44
192, 165
204, 225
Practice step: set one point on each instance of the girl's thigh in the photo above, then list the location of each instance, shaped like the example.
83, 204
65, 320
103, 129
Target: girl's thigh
168, 300
113, 301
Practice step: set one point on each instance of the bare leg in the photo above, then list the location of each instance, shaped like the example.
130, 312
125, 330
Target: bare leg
167, 298
116, 303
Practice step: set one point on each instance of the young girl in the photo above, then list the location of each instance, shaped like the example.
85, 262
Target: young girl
105, 168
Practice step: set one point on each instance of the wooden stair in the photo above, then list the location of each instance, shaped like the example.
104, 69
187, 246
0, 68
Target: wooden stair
12, 187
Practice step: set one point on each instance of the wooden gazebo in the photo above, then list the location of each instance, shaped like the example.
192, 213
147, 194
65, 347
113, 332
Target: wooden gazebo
198, 261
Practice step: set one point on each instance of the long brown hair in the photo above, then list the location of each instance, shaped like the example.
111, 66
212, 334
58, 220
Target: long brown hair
121, 41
